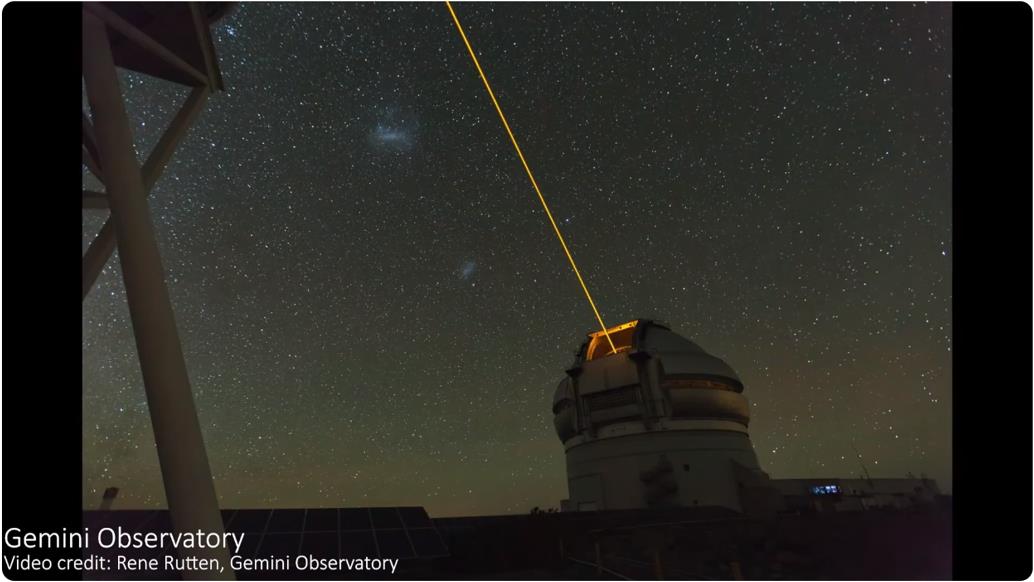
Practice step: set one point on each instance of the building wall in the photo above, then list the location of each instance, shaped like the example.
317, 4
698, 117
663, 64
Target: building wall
688, 468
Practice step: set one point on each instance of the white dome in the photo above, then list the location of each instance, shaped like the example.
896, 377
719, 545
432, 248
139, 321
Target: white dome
681, 356
652, 373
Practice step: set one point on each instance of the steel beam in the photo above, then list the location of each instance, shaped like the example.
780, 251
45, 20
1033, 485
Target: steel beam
94, 200
189, 489
89, 140
104, 243
91, 165
204, 34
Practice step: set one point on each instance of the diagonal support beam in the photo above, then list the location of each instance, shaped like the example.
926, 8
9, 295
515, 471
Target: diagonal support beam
91, 165
215, 80
90, 156
186, 474
89, 139
103, 244
166, 146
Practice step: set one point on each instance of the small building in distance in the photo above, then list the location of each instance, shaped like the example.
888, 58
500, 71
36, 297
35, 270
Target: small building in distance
805, 495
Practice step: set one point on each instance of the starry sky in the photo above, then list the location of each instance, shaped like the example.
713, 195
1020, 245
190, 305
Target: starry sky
374, 309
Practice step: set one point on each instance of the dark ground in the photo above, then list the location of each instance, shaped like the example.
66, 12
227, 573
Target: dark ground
691, 544
705, 544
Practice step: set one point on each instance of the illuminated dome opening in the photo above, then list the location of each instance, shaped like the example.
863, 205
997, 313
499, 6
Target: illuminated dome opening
622, 336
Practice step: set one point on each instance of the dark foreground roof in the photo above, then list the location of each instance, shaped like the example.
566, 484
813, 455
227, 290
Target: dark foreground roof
403, 533
183, 29
686, 543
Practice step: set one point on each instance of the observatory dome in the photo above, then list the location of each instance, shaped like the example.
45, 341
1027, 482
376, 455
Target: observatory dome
653, 401
653, 374
680, 355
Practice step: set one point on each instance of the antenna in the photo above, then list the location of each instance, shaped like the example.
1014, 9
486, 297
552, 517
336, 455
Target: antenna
109, 497
860, 462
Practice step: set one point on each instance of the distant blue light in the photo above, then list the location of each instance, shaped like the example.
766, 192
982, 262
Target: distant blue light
825, 490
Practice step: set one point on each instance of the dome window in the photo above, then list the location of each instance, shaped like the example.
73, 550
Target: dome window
622, 336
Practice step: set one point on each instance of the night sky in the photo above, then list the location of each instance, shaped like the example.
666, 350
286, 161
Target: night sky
374, 309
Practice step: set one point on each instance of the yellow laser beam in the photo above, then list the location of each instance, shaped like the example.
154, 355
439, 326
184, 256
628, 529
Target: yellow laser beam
531, 176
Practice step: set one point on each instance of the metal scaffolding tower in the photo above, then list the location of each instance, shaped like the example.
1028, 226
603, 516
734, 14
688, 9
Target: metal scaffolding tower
170, 41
